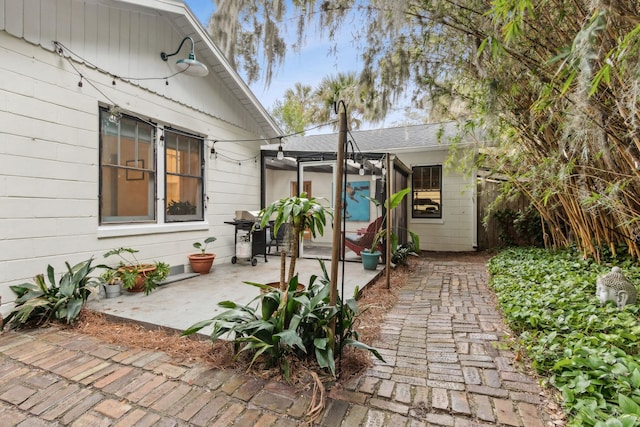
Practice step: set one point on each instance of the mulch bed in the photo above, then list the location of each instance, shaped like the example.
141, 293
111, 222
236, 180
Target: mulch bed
374, 302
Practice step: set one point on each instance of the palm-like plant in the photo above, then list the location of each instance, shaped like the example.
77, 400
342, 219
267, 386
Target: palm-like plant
303, 213
289, 323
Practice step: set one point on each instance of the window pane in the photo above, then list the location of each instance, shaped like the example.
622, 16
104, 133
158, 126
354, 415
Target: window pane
127, 180
184, 184
427, 192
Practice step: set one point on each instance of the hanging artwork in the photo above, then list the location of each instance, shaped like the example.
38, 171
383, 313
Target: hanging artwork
357, 207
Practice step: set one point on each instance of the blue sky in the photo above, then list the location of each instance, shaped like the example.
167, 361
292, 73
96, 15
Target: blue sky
308, 67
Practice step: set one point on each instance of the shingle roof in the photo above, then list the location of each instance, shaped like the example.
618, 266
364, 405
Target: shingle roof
425, 137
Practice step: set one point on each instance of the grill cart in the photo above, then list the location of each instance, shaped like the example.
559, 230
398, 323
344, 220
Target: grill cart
250, 241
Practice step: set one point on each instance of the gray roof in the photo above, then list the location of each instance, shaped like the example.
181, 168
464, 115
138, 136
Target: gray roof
410, 138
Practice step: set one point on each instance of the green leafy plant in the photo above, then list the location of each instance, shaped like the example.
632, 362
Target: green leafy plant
390, 204
133, 273
399, 254
202, 246
39, 302
286, 323
589, 353
520, 228
302, 213
180, 208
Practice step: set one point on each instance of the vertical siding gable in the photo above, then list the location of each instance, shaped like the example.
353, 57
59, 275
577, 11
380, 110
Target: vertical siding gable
124, 44
1, 15
63, 18
114, 41
15, 22
91, 29
77, 26
32, 21
48, 24
102, 52
134, 44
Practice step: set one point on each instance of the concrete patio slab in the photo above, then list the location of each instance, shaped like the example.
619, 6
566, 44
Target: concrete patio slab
179, 305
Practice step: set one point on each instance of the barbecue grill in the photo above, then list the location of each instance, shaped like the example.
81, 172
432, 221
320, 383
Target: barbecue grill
250, 238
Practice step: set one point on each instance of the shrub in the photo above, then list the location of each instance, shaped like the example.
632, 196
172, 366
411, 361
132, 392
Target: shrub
37, 303
587, 351
288, 323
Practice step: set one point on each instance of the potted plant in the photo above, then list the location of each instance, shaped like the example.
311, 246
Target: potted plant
301, 213
202, 261
371, 256
134, 275
112, 285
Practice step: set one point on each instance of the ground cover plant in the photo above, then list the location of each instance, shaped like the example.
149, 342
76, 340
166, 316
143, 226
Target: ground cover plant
589, 352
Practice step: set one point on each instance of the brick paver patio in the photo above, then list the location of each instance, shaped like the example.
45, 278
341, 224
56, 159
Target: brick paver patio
441, 342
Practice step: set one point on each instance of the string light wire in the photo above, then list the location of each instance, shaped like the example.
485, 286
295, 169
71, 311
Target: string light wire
67, 54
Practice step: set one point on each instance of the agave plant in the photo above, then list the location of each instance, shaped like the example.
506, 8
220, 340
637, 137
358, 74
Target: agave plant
39, 302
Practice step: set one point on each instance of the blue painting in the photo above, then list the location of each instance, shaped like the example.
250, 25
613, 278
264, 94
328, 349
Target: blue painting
357, 207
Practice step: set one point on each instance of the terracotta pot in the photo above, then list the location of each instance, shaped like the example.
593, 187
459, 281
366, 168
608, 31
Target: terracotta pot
142, 272
276, 285
201, 263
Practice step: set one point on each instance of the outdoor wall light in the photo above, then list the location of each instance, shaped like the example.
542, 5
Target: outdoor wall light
190, 65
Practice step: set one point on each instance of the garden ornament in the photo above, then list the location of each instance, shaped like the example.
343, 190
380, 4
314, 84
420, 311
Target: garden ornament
615, 287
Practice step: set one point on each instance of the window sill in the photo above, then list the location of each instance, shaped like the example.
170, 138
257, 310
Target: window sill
426, 220
107, 231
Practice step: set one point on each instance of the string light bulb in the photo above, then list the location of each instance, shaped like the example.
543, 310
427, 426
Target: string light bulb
361, 171
114, 114
280, 154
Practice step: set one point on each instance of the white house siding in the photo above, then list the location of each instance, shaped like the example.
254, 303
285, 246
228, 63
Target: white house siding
49, 168
455, 231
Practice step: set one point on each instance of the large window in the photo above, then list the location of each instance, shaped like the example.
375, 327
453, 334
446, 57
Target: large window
184, 161
127, 170
129, 173
427, 192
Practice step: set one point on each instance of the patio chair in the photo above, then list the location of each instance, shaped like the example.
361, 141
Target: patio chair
363, 239
278, 239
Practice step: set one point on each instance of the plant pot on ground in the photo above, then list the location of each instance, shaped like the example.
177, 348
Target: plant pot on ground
113, 290
370, 259
373, 253
201, 262
134, 275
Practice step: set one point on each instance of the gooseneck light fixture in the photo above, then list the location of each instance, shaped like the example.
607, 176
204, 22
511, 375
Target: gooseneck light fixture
190, 65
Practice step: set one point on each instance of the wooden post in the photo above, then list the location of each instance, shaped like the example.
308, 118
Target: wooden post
337, 207
387, 248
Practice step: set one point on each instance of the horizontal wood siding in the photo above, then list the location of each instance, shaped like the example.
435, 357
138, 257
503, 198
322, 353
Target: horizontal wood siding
455, 231
49, 163
124, 43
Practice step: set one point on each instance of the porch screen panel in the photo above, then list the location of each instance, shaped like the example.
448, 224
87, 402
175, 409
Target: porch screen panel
184, 172
127, 170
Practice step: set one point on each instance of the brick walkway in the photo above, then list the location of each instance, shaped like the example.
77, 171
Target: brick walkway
444, 367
